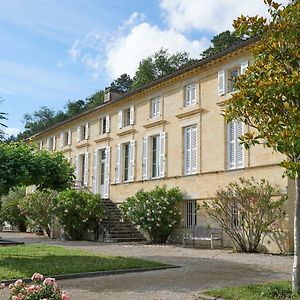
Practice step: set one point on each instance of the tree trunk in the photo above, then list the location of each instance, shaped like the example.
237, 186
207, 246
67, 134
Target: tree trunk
296, 265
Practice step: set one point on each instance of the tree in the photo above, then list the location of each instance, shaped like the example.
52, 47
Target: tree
247, 210
2, 117
22, 164
268, 95
220, 42
74, 108
122, 84
95, 100
158, 65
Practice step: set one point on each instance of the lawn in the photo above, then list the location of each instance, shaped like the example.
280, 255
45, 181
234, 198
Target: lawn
281, 290
23, 261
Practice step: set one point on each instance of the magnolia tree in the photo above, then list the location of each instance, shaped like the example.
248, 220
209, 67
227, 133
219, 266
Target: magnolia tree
268, 95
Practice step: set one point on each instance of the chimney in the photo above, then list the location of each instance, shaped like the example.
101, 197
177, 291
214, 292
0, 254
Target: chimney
110, 94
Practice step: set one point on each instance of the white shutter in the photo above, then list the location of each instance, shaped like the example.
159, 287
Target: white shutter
239, 146
86, 170
193, 94
41, 145
54, 143
106, 173
78, 133
231, 145
118, 164
187, 96
193, 149
77, 165
162, 154
221, 83
187, 150
107, 124
131, 115
86, 136
61, 139
120, 119
95, 172
69, 137
158, 107
131, 160
48, 144
145, 159
244, 66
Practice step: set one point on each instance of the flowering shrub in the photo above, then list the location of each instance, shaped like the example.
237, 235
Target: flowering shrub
155, 211
78, 211
39, 289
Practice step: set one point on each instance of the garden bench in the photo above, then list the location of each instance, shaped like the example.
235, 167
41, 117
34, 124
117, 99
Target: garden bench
201, 233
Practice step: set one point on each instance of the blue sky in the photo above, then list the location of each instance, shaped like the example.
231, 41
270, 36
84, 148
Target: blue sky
52, 51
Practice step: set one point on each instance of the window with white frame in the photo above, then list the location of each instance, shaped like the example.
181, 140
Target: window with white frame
82, 170
190, 95
235, 150
154, 156
190, 213
190, 150
66, 138
126, 117
125, 162
227, 78
83, 132
155, 108
51, 143
104, 125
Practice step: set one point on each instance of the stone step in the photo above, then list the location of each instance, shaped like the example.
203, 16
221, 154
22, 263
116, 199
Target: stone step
122, 240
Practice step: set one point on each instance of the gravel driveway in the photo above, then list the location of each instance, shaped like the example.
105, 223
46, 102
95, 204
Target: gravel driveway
200, 270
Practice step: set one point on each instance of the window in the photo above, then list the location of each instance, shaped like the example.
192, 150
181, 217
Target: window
235, 216
155, 108
104, 125
235, 150
227, 78
154, 156
83, 132
190, 95
126, 117
125, 162
190, 150
190, 213
82, 168
51, 143
65, 138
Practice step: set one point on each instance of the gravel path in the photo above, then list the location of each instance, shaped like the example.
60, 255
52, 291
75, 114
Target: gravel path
200, 270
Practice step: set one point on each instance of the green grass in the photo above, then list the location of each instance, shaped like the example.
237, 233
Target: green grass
23, 261
280, 290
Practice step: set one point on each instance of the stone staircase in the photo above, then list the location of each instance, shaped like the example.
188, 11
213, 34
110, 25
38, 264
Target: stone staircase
115, 229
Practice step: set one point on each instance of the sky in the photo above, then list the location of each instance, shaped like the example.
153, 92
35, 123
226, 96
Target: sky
52, 51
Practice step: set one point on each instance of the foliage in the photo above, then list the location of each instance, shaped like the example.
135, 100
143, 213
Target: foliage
220, 42
10, 208
22, 261
122, 84
94, 100
158, 65
155, 211
2, 118
39, 288
247, 210
23, 164
78, 211
37, 207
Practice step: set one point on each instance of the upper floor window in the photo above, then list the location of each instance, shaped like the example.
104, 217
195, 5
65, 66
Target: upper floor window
66, 138
190, 95
83, 132
190, 150
155, 108
227, 78
235, 150
126, 117
104, 124
51, 143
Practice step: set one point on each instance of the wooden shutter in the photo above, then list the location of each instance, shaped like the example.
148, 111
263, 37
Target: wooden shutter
61, 139
187, 150
193, 149
107, 124
187, 96
231, 145
69, 137
95, 172
158, 107
221, 83
41, 145
120, 119
106, 173
54, 143
118, 164
77, 166
86, 131
239, 146
131, 160
162, 154
86, 169
78, 133
48, 144
193, 94
131, 121
244, 66
145, 159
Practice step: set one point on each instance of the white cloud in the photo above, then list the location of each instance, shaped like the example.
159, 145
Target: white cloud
12, 131
207, 15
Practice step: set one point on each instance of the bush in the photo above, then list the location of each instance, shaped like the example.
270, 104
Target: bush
155, 211
247, 210
10, 208
78, 211
37, 207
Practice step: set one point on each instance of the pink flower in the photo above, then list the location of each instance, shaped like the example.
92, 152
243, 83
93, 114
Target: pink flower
16, 298
10, 286
65, 296
37, 276
18, 282
32, 288
2, 286
49, 281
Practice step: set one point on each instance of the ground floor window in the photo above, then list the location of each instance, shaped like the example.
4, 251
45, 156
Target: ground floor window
190, 213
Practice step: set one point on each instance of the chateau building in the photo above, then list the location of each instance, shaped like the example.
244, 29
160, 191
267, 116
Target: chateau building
171, 132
